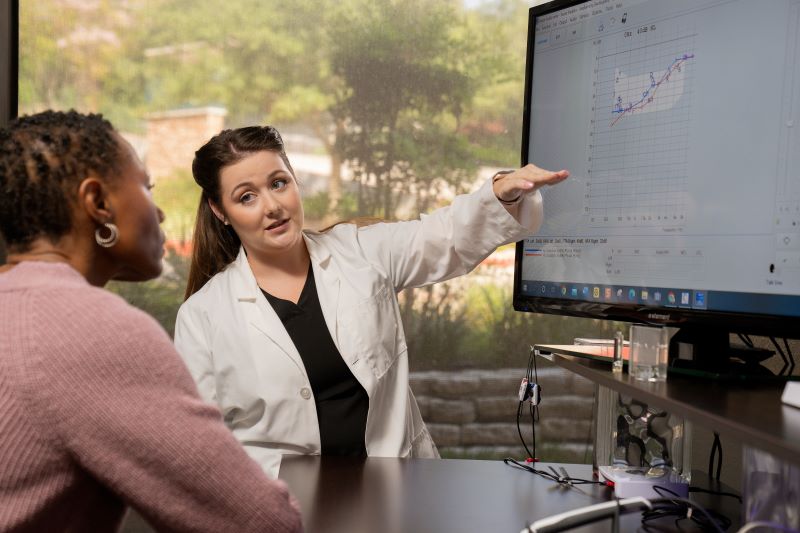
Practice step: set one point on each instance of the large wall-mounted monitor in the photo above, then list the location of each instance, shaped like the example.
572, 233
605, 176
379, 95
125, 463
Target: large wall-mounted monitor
680, 123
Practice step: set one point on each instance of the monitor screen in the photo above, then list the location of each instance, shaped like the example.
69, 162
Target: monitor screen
679, 121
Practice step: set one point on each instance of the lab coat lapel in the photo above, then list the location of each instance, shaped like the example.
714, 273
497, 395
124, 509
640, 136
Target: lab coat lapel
328, 276
259, 313
328, 285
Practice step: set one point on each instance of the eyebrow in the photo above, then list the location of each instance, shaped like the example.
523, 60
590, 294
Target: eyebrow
251, 184
239, 186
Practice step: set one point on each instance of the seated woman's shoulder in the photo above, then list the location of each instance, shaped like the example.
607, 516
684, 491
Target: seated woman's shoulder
96, 336
100, 312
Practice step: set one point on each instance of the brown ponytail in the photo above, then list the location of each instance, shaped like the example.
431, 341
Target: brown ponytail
216, 245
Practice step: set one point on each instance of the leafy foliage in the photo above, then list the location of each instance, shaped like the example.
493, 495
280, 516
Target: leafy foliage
466, 324
159, 298
181, 194
415, 95
406, 84
316, 207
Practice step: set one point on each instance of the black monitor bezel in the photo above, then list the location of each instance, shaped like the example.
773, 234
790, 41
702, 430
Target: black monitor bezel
733, 322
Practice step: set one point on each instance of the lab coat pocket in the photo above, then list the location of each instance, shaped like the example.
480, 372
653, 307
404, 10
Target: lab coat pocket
372, 328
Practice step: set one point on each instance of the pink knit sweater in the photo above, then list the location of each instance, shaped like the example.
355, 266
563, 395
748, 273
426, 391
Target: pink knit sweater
97, 411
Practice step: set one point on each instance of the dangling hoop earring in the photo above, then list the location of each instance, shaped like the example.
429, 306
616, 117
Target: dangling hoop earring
111, 240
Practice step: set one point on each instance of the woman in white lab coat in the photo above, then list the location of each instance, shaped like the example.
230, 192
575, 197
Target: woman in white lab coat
295, 334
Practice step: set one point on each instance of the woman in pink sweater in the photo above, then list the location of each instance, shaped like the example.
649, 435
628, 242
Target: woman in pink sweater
96, 408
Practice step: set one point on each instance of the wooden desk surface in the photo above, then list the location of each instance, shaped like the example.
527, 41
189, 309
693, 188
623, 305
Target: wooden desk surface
386, 495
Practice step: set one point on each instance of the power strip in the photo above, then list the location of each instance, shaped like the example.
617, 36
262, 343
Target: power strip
632, 482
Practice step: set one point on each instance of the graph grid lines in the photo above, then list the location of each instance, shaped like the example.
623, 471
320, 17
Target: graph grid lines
640, 141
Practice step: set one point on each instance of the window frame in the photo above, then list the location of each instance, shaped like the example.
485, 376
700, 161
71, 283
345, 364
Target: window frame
9, 60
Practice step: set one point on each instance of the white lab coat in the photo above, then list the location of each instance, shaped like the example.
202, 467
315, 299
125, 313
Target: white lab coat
244, 361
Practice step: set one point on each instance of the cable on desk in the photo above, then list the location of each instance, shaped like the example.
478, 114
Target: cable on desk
715, 492
716, 446
534, 407
530, 391
521, 438
682, 509
655, 509
516, 464
534, 412
761, 523
561, 478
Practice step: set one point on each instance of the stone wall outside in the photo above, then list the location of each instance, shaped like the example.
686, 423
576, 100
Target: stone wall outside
473, 413
173, 136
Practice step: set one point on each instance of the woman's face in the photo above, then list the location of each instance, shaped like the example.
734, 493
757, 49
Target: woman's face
140, 248
261, 201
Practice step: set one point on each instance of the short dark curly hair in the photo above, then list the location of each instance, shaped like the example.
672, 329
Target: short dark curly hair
43, 159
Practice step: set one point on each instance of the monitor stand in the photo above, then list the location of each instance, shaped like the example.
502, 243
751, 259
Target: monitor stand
708, 352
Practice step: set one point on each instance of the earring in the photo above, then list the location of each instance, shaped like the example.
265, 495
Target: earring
111, 240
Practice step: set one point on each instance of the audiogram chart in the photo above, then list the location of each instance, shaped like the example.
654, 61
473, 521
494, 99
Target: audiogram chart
642, 103
638, 100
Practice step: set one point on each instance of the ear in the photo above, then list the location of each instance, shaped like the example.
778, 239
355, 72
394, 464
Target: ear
217, 212
93, 199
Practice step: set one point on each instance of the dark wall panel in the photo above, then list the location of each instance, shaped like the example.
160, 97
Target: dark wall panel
9, 68
9, 41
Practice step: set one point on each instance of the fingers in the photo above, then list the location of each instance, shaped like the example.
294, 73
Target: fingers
540, 176
535, 177
527, 179
510, 186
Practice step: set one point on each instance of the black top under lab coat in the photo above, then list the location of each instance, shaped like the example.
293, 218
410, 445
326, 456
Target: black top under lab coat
342, 403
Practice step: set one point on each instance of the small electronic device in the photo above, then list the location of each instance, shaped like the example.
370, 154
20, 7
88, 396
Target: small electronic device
530, 392
536, 394
632, 482
524, 391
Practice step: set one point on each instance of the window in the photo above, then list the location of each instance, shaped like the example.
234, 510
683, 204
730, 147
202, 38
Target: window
388, 109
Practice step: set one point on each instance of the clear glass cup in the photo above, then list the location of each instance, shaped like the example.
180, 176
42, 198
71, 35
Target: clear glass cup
649, 352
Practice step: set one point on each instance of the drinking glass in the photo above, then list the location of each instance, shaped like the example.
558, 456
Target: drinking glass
649, 351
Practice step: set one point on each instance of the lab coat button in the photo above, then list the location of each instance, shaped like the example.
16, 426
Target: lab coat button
305, 392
